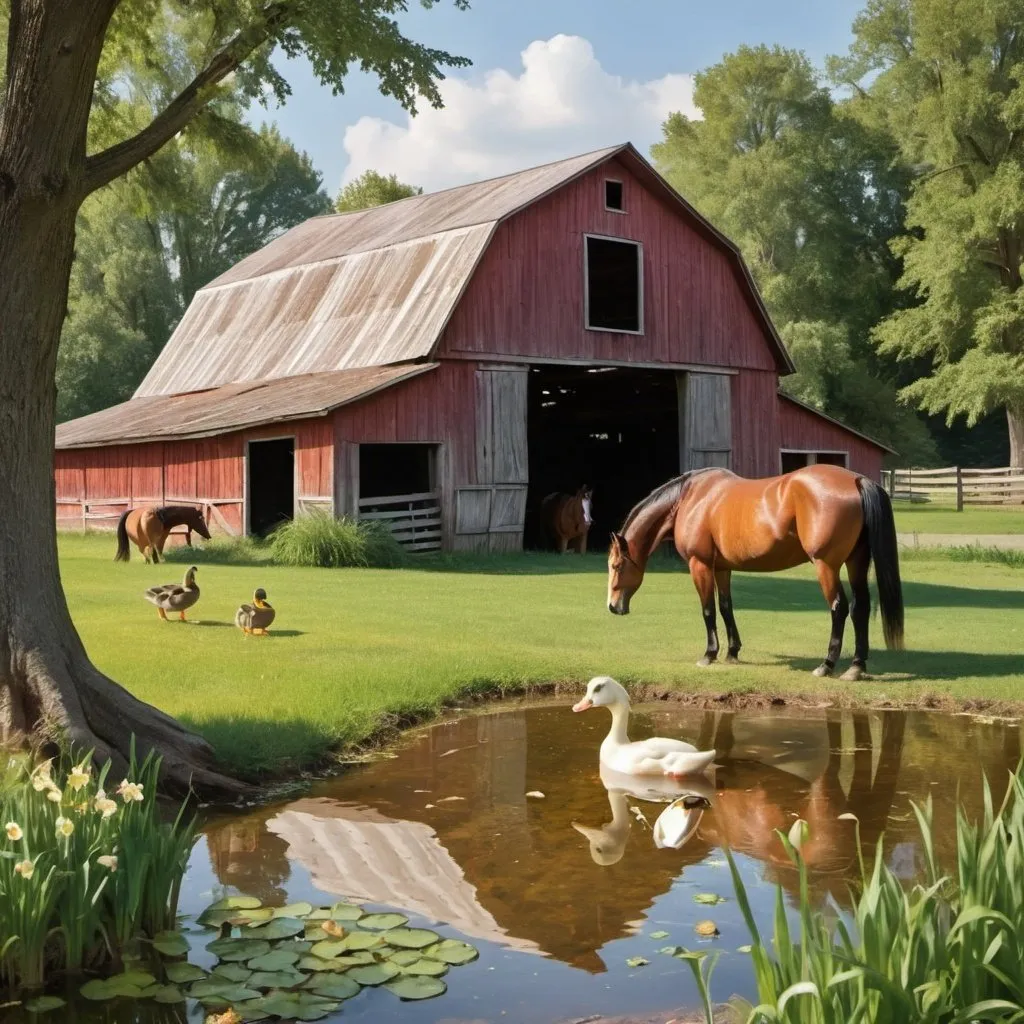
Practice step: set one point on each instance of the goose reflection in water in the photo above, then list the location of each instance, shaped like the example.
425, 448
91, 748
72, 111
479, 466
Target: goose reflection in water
687, 799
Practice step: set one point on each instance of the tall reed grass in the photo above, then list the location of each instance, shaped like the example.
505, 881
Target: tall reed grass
946, 950
319, 539
83, 871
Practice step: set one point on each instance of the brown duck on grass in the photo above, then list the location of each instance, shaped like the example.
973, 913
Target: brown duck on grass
256, 617
175, 597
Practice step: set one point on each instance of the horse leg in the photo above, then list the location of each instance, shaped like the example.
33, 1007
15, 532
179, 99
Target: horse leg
723, 581
704, 580
563, 543
832, 588
860, 610
582, 547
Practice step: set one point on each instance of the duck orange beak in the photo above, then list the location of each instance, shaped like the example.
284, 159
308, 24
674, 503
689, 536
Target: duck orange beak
583, 705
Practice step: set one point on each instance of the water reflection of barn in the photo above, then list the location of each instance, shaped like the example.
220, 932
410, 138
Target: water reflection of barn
447, 360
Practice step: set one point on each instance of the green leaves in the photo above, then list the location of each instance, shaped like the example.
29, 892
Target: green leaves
383, 922
708, 899
451, 951
409, 987
411, 938
278, 928
171, 943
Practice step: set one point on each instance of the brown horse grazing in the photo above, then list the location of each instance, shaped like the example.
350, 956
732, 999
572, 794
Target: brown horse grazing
567, 518
721, 522
149, 527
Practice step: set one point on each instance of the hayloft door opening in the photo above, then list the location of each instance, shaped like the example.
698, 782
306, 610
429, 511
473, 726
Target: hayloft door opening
613, 428
271, 473
398, 487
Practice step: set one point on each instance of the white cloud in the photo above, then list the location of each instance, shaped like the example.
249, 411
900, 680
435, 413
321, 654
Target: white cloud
561, 103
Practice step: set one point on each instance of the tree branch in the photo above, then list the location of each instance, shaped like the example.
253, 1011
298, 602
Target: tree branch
111, 163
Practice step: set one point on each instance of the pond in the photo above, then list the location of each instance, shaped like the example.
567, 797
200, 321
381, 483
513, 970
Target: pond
560, 891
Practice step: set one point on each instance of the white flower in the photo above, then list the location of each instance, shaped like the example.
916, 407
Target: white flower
24, 868
799, 834
104, 805
41, 777
65, 826
108, 861
79, 776
14, 832
130, 791
54, 794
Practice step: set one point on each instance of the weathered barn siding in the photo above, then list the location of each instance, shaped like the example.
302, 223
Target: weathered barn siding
526, 297
210, 472
804, 430
755, 424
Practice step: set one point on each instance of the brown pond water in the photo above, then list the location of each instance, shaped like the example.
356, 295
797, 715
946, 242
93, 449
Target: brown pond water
444, 831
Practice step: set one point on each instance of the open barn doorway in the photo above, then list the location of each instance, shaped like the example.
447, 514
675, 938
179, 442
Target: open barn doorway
614, 428
271, 475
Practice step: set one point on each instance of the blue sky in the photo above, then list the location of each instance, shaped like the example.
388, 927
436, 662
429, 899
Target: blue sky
570, 99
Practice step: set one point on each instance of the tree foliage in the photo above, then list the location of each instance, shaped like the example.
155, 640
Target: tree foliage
812, 199
944, 79
372, 188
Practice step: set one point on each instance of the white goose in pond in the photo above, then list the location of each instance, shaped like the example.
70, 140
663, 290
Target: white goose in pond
656, 756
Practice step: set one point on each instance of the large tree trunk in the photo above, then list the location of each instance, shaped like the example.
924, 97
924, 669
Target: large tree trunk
1015, 421
48, 687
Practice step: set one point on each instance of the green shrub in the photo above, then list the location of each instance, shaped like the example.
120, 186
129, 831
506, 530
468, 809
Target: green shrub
948, 950
319, 539
83, 872
221, 551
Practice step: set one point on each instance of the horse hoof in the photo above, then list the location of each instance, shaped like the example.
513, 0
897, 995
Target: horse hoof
732, 659
705, 662
822, 671
854, 674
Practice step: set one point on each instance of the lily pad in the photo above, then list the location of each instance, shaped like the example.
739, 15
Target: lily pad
212, 986
300, 909
169, 994
360, 940
253, 918
238, 949
216, 918
295, 1005
182, 974
276, 979
235, 903
339, 912
373, 974
709, 899
249, 1013
339, 986
426, 968
328, 949
409, 987
136, 979
233, 972
275, 960
43, 1004
279, 928
319, 964
744, 949
410, 938
404, 957
96, 990
659, 935
382, 922
637, 961
452, 951
300, 946
171, 943
355, 958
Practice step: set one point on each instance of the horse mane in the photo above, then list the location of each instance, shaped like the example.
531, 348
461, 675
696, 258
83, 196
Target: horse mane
670, 492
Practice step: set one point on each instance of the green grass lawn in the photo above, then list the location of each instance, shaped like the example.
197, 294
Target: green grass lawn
354, 650
929, 518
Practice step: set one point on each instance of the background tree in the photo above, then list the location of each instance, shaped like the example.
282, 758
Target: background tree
65, 133
373, 189
944, 78
147, 243
812, 200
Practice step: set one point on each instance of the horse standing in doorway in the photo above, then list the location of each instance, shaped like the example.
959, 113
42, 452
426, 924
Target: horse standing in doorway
567, 518
148, 529
721, 523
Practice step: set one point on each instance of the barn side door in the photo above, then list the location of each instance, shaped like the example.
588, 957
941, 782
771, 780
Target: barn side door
705, 420
490, 515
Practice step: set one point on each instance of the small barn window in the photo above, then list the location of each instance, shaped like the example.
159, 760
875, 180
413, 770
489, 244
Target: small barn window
791, 459
614, 285
613, 196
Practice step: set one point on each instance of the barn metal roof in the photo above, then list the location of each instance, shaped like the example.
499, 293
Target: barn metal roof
230, 407
373, 287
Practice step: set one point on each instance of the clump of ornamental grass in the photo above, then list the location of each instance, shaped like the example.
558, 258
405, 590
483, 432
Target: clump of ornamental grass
318, 539
86, 866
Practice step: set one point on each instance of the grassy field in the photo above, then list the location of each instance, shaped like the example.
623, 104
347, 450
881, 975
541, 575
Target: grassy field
944, 519
354, 650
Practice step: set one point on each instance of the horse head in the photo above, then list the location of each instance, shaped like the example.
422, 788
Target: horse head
194, 521
624, 575
584, 496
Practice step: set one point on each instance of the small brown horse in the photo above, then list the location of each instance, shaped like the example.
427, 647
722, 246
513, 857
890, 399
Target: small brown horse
149, 527
721, 522
567, 518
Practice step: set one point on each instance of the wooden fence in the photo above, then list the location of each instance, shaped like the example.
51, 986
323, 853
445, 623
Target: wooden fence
104, 513
414, 519
956, 486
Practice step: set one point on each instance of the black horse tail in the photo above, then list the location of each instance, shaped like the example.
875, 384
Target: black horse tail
123, 551
880, 527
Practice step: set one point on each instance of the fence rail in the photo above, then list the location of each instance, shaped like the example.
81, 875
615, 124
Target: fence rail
956, 485
413, 519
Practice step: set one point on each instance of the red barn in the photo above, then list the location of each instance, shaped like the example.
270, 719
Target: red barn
444, 362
